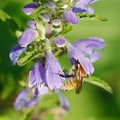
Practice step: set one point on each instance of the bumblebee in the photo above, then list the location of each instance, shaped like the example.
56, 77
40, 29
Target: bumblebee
74, 78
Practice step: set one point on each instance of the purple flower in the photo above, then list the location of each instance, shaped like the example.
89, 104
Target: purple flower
53, 70
31, 24
60, 41
89, 46
24, 40
15, 52
37, 79
82, 6
56, 22
63, 101
29, 8
84, 51
70, 17
23, 100
46, 17
76, 54
50, 4
27, 37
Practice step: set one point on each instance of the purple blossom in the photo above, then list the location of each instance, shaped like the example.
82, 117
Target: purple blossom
15, 52
46, 17
23, 100
37, 79
50, 4
27, 37
76, 54
70, 17
29, 8
60, 41
82, 6
53, 70
89, 46
31, 24
84, 51
24, 40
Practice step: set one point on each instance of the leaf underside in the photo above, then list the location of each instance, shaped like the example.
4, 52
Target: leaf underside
98, 82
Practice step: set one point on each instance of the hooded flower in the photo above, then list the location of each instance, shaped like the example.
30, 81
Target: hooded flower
37, 79
82, 6
70, 17
84, 51
89, 46
53, 70
29, 8
76, 54
45, 17
28, 35
50, 4
15, 52
60, 41
23, 100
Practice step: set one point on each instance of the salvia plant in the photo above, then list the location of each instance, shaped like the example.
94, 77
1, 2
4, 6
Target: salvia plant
44, 41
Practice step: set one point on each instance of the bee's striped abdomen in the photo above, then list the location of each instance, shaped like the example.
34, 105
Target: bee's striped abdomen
69, 84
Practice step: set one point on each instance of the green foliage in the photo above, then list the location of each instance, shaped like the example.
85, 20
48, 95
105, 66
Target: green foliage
91, 17
98, 82
10, 22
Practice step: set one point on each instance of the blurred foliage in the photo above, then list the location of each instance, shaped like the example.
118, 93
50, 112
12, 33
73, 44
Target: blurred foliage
93, 103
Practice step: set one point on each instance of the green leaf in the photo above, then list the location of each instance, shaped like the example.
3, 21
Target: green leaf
9, 21
91, 17
98, 82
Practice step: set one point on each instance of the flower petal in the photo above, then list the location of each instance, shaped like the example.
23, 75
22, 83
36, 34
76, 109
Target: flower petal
88, 46
31, 101
15, 52
94, 56
40, 90
70, 17
86, 2
60, 41
50, 4
82, 6
63, 101
31, 24
28, 9
90, 10
53, 70
76, 54
27, 37
36, 74
79, 9
46, 17
21, 98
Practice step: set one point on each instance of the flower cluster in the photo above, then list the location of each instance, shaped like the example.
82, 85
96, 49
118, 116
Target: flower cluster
46, 31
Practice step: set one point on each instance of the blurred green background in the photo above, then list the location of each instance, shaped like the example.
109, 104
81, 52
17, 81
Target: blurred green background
93, 103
